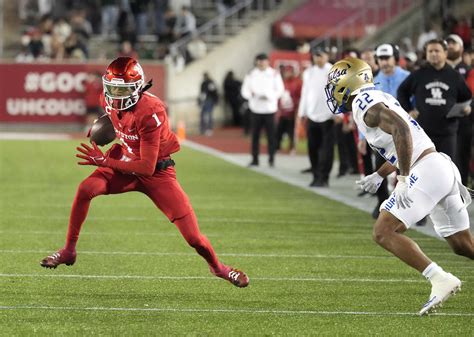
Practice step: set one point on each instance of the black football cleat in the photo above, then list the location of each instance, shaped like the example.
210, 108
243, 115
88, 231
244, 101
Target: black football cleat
62, 256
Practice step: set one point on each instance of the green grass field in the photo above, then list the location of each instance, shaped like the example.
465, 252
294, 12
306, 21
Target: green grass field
313, 266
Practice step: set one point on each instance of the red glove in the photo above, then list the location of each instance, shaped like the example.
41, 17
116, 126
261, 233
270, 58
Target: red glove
91, 155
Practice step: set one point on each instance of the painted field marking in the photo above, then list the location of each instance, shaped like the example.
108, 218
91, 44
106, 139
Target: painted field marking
234, 311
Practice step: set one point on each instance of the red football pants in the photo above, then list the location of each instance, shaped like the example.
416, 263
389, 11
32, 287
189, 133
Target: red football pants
162, 188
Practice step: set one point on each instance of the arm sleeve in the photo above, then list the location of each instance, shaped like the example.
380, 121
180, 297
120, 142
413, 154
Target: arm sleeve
404, 93
302, 105
278, 89
464, 93
245, 91
145, 165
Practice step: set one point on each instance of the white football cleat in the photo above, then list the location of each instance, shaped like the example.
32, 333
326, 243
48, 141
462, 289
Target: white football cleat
441, 290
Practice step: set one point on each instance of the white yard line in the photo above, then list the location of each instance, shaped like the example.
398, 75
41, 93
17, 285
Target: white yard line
304, 256
243, 255
33, 136
186, 278
233, 311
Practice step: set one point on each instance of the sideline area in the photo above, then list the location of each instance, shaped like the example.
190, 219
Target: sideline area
233, 147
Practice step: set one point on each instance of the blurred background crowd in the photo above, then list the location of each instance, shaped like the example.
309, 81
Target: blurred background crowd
226, 35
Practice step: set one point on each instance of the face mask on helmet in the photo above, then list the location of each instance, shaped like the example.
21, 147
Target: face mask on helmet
331, 100
122, 83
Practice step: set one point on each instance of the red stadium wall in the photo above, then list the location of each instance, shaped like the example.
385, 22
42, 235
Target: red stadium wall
54, 93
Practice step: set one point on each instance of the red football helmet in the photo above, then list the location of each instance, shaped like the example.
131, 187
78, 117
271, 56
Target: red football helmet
123, 82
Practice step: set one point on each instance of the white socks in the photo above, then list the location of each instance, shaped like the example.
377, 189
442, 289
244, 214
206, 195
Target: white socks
433, 271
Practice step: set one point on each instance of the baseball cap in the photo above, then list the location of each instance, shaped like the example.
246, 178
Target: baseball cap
411, 56
455, 38
384, 50
261, 57
319, 51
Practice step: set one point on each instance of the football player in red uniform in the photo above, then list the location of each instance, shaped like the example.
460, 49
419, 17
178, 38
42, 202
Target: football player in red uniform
141, 163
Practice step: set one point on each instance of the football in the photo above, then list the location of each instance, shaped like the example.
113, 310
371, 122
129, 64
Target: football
102, 131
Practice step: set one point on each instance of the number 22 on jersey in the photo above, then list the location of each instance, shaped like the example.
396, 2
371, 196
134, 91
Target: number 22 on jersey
364, 101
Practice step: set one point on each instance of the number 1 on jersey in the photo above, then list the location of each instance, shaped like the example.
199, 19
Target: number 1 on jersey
158, 123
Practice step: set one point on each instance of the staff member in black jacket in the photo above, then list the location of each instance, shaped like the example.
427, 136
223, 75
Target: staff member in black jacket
436, 87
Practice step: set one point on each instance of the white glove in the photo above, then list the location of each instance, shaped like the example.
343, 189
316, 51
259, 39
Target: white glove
370, 183
401, 193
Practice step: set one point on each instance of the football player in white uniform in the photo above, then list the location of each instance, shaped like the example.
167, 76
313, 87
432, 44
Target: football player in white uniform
428, 181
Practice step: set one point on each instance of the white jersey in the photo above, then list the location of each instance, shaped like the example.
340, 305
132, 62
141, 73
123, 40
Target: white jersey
379, 140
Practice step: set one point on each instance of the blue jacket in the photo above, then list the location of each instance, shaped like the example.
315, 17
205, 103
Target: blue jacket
390, 83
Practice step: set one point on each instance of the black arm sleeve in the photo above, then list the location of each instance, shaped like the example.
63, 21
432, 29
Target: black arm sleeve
464, 93
405, 91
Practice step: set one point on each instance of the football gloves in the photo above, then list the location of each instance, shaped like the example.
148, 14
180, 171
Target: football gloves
401, 193
92, 155
370, 183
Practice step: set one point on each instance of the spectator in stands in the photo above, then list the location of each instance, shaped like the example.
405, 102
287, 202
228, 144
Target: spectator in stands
288, 107
262, 87
126, 27
436, 87
232, 97
24, 56
139, 10
185, 23
82, 28
428, 34
74, 49
161, 8
46, 26
62, 29
126, 50
110, 13
196, 48
224, 5
35, 45
177, 5
314, 111
45, 7
208, 97
464, 138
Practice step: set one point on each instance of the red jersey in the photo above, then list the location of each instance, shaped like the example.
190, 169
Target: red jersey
145, 135
288, 103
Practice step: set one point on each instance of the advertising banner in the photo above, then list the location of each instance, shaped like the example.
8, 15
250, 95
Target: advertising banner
55, 93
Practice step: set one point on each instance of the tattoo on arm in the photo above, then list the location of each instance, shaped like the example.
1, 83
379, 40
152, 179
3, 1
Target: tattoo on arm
390, 122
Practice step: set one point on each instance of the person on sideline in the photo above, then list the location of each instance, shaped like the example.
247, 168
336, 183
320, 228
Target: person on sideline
436, 87
318, 118
262, 87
